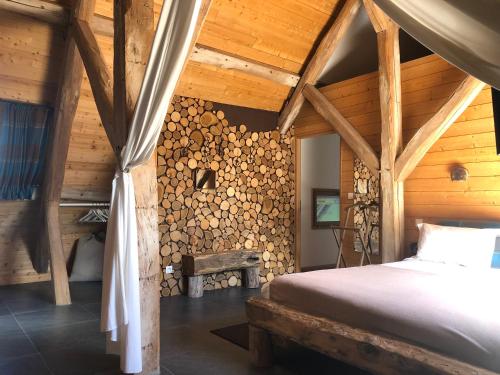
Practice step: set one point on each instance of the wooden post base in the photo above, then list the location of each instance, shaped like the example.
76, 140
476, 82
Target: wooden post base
261, 347
195, 286
251, 277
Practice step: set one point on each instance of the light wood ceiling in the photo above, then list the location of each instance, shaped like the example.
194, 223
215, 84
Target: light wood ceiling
278, 33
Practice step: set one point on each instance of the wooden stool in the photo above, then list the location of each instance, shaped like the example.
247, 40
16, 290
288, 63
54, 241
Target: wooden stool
194, 266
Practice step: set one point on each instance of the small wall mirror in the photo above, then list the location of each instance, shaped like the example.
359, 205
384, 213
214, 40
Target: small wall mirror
204, 179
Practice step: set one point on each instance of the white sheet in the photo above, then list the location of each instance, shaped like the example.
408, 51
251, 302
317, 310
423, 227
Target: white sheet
450, 309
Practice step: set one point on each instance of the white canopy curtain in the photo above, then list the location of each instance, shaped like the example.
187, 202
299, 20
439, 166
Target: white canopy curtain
464, 32
120, 313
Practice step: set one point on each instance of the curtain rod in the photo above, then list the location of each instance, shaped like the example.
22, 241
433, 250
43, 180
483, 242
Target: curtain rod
84, 204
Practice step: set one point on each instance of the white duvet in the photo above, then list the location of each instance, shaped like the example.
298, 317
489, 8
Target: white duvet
447, 308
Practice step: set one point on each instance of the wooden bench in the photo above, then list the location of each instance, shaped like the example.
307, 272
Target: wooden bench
194, 266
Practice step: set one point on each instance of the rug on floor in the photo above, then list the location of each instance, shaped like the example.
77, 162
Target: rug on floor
236, 334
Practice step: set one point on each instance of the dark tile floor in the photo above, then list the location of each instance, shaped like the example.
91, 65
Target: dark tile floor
39, 338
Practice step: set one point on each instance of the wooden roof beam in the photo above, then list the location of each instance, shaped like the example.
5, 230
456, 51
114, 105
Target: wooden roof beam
343, 127
39, 9
391, 191
223, 60
318, 62
433, 129
101, 80
378, 18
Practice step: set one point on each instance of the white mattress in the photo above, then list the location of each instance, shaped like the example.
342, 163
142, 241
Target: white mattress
446, 308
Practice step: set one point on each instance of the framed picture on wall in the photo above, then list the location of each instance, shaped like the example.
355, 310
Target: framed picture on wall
325, 208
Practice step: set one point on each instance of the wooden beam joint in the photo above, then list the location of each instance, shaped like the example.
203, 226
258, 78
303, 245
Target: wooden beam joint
433, 129
346, 131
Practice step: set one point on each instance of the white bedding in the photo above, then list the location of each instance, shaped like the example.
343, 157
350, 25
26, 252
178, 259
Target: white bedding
447, 308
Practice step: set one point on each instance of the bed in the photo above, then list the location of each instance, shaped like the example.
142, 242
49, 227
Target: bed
414, 316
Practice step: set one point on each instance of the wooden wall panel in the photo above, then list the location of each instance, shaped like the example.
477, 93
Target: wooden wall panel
429, 193
18, 237
30, 57
29, 54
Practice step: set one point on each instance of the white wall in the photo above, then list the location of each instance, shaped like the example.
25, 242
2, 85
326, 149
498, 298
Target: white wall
320, 168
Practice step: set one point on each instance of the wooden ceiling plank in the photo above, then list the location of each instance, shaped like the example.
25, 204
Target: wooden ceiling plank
343, 127
433, 129
317, 63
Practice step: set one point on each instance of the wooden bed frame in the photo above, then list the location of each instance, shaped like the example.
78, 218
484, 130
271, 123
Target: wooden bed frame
373, 352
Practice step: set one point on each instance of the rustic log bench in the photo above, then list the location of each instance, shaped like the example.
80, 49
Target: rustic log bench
194, 266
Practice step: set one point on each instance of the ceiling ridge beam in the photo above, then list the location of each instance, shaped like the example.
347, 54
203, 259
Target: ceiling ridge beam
436, 126
318, 62
343, 127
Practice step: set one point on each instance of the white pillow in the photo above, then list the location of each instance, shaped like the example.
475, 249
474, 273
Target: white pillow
89, 259
468, 247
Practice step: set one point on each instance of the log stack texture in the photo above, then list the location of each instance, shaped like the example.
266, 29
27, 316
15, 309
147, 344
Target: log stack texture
366, 190
252, 206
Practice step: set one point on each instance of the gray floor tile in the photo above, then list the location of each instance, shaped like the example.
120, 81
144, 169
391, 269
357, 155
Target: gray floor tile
84, 337
85, 292
54, 316
15, 345
28, 365
79, 362
29, 299
93, 308
9, 327
3, 309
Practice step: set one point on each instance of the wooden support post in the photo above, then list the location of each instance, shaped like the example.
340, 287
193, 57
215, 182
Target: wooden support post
298, 204
392, 191
133, 36
195, 286
65, 109
261, 346
251, 277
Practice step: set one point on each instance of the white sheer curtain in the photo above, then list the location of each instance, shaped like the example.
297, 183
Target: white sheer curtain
464, 32
121, 312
